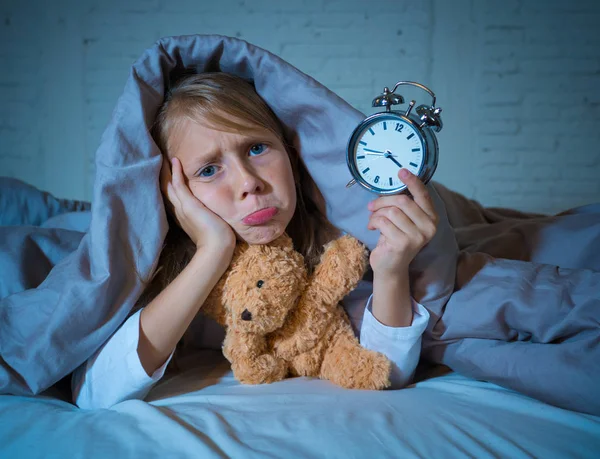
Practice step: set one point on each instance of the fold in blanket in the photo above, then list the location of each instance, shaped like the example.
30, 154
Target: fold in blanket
526, 325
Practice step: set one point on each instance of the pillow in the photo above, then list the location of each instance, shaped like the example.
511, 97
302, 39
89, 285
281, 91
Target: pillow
24, 204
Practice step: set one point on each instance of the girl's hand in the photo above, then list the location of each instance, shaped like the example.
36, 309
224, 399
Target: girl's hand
406, 226
205, 228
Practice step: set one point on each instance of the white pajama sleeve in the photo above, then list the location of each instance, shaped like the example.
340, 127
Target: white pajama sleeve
402, 345
114, 373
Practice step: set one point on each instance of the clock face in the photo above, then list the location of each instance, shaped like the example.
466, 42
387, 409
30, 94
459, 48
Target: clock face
382, 147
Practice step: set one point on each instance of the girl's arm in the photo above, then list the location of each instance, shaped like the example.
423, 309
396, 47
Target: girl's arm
391, 304
135, 357
393, 324
406, 223
115, 372
164, 321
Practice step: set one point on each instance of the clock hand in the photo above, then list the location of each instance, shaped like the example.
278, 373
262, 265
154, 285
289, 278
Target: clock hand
379, 153
399, 165
374, 151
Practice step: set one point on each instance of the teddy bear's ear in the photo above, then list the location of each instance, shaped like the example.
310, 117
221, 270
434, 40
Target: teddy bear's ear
283, 241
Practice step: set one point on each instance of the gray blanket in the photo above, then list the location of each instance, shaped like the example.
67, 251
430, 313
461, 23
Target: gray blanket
514, 298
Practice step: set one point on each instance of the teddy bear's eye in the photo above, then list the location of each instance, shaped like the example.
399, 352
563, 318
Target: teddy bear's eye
259, 284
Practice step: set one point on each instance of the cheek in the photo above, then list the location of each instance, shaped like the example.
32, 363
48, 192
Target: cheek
284, 176
212, 198
292, 189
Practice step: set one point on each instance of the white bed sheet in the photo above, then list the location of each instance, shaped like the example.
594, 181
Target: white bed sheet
203, 412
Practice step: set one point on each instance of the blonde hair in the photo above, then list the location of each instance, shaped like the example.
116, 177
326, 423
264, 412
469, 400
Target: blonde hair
229, 103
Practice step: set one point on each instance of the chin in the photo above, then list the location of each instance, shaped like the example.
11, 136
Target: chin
261, 234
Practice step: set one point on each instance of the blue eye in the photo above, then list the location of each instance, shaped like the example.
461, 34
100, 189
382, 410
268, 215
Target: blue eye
208, 171
257, 149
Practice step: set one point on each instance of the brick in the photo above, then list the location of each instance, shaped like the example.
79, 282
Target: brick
120, 6
508, 126
301, 50
544, 172
565, 65
522, 143
500, 65
401, 8
267, 7
503, 34
499, 111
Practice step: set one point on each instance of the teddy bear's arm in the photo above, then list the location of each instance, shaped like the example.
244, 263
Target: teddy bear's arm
342, 265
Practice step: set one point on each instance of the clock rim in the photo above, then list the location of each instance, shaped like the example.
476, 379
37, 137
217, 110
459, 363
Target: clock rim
362, 126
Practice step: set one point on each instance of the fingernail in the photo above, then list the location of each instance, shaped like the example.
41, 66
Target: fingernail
370, 205
404, 173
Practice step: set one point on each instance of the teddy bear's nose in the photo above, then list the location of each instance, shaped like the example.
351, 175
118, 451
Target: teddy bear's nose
246, 315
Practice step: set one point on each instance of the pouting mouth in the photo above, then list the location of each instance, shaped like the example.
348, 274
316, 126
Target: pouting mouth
260, 216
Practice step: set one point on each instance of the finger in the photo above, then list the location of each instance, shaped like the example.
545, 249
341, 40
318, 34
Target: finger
419, 191
172, 196
184, 194
399, 201
396, 217
166, 187
387, 229
399, 237
177, 178
165, 175
412, 211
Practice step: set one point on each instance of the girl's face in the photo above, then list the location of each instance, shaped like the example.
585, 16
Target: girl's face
245, 180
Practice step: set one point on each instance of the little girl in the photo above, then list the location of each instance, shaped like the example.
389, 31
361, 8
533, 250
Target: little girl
229, 174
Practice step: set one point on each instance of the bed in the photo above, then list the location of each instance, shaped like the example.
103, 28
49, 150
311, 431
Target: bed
204, 412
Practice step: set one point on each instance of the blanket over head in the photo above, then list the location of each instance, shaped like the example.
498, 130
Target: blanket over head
49, 327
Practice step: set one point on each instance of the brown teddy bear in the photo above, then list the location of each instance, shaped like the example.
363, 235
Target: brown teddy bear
280, 321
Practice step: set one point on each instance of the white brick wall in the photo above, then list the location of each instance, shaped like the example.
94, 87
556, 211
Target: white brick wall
540, 61
519, 81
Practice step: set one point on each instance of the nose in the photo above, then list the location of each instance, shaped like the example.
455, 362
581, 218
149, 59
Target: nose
250, 182
246, 315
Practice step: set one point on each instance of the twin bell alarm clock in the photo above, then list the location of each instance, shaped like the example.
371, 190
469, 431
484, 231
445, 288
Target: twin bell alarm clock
388, 141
